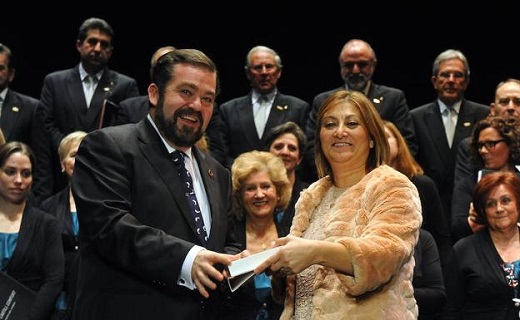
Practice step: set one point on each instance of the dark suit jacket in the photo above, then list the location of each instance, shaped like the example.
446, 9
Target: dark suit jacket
464, 165
37, 260
391, 104
63, 109
137, 228
435, 155
134, 109
18, 117
63, 104
238, 124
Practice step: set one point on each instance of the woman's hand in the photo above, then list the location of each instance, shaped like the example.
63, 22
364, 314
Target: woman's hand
472, 220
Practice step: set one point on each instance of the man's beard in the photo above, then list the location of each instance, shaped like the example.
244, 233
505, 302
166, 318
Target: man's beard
357, 82
182, 137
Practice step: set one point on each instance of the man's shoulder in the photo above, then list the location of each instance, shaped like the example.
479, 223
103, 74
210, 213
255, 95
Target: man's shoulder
422, 108
233, 102
24, 98
477, 106
58, 74
323, 95
120, 76
293, 100
132, 101
387, 89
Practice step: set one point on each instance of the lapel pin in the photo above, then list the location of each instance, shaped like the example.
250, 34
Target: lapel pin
15, 109
281, 108
378, 100
210, 173
467, 124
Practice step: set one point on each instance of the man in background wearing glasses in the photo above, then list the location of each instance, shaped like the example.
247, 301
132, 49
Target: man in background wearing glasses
80, 98
246, 119
441, 124
506, 103
357, 62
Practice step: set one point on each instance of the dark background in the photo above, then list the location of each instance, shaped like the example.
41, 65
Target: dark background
406, 38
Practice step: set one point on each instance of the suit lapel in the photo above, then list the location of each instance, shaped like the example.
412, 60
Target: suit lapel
154, 151
435, 126
74, 90
11, 110
247, 120
279, 111
103, 90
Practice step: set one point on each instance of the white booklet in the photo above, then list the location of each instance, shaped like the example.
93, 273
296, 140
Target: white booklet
242, 270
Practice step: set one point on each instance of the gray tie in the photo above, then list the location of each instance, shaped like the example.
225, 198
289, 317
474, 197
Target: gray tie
450, 124
90, 84
261, 115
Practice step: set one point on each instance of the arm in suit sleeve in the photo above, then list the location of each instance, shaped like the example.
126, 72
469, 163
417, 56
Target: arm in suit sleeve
463, 165
462, 197
43, 175
431, 294
48, 114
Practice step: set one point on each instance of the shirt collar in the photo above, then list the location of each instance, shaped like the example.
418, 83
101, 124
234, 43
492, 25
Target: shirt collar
3, 93
83, 73
270, 96
455, 106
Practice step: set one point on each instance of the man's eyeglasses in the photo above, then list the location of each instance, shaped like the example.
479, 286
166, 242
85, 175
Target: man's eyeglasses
103, 43
505, 101
447, 75
361, 64
490, 144
259, 67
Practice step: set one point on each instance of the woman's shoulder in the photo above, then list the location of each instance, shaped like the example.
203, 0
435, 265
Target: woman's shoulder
386, 173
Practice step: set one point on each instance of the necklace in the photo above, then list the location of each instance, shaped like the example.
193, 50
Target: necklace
262, 239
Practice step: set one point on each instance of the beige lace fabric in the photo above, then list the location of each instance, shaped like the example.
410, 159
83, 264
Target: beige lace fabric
315, 231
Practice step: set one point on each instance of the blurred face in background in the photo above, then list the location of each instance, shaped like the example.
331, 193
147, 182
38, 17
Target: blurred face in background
16, 178
6, 74
357, 65
286, 147
67, 165
451, 81
496, 155
95, 51
259, 195
501, 208
263, 72
507, 100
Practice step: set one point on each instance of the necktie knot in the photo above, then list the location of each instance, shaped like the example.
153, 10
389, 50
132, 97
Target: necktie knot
260, 116
178, 157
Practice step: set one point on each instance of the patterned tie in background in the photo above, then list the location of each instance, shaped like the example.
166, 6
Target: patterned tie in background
184, 174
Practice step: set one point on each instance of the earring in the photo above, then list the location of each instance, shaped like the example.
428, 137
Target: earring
371, 144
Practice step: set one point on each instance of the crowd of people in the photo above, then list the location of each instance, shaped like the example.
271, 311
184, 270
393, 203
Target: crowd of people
120, 204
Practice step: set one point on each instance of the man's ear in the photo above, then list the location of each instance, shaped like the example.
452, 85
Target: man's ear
153, 94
